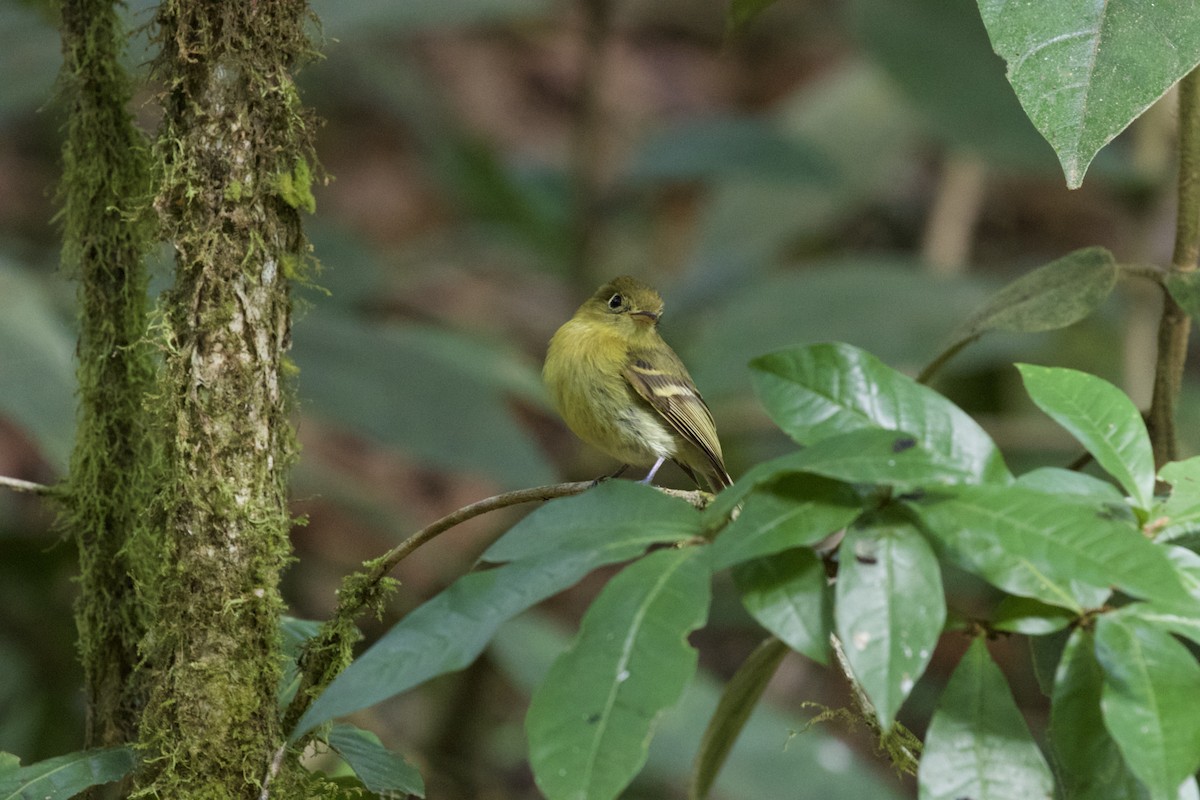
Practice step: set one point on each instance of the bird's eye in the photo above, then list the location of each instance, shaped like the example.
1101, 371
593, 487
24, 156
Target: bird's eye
615, 302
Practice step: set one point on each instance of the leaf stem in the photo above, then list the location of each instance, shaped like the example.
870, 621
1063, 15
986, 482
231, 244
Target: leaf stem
1174, 324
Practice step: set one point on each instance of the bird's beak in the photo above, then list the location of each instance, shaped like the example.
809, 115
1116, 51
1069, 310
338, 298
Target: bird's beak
646, 317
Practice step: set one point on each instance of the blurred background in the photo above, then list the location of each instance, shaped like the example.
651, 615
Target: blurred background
853, 170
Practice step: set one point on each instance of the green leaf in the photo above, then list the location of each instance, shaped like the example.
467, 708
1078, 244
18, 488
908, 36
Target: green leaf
437, 395
591, 720
557, 545
380, 770
792, 511
1016, 614
1180, 513
758, 766
1050, 297
977, 745
817, 391
868, 455
1103, 419
1056, 548
889, 610
66, 776
1083, 72
788, 593
1151, 683
739, 699
1090, 765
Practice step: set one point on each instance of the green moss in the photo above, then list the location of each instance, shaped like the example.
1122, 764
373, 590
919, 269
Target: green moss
295, 187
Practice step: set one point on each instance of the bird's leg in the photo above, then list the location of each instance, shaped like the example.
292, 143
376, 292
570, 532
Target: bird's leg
650, 475
618, 473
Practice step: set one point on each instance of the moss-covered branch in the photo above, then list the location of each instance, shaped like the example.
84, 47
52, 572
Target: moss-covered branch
235, 150
106, 232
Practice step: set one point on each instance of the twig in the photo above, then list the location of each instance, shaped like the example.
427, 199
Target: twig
363, 590
27, 487
902, 747
1175, 324
272, 771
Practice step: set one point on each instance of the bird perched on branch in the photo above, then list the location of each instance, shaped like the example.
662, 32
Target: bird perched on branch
623, 390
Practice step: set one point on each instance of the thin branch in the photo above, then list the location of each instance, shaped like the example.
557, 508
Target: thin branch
27, 487
364, 590
1175, 325
901, 746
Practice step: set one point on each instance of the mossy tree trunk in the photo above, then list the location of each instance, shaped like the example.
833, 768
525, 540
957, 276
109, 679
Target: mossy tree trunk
234, 152
177, 494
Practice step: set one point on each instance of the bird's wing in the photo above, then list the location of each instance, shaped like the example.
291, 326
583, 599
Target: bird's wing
662, 381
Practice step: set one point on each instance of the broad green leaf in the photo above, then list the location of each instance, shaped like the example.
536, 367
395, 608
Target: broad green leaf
759, 766
66, 776
789, 594
739, 699
1089, 763
954, 79
1180, 512
1103, 419
557, 545
294, 632
977, 745
1055, 548
817, 391
1084, 71
1151, 683
425, 391
1016, 614
792, 511
590, 721
889, 610
1050, 297
380, 770
867, 455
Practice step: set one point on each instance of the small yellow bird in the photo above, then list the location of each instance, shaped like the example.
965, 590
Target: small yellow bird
622, 389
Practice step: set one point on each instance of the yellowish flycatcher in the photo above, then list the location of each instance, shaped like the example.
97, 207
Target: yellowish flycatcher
622, 389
